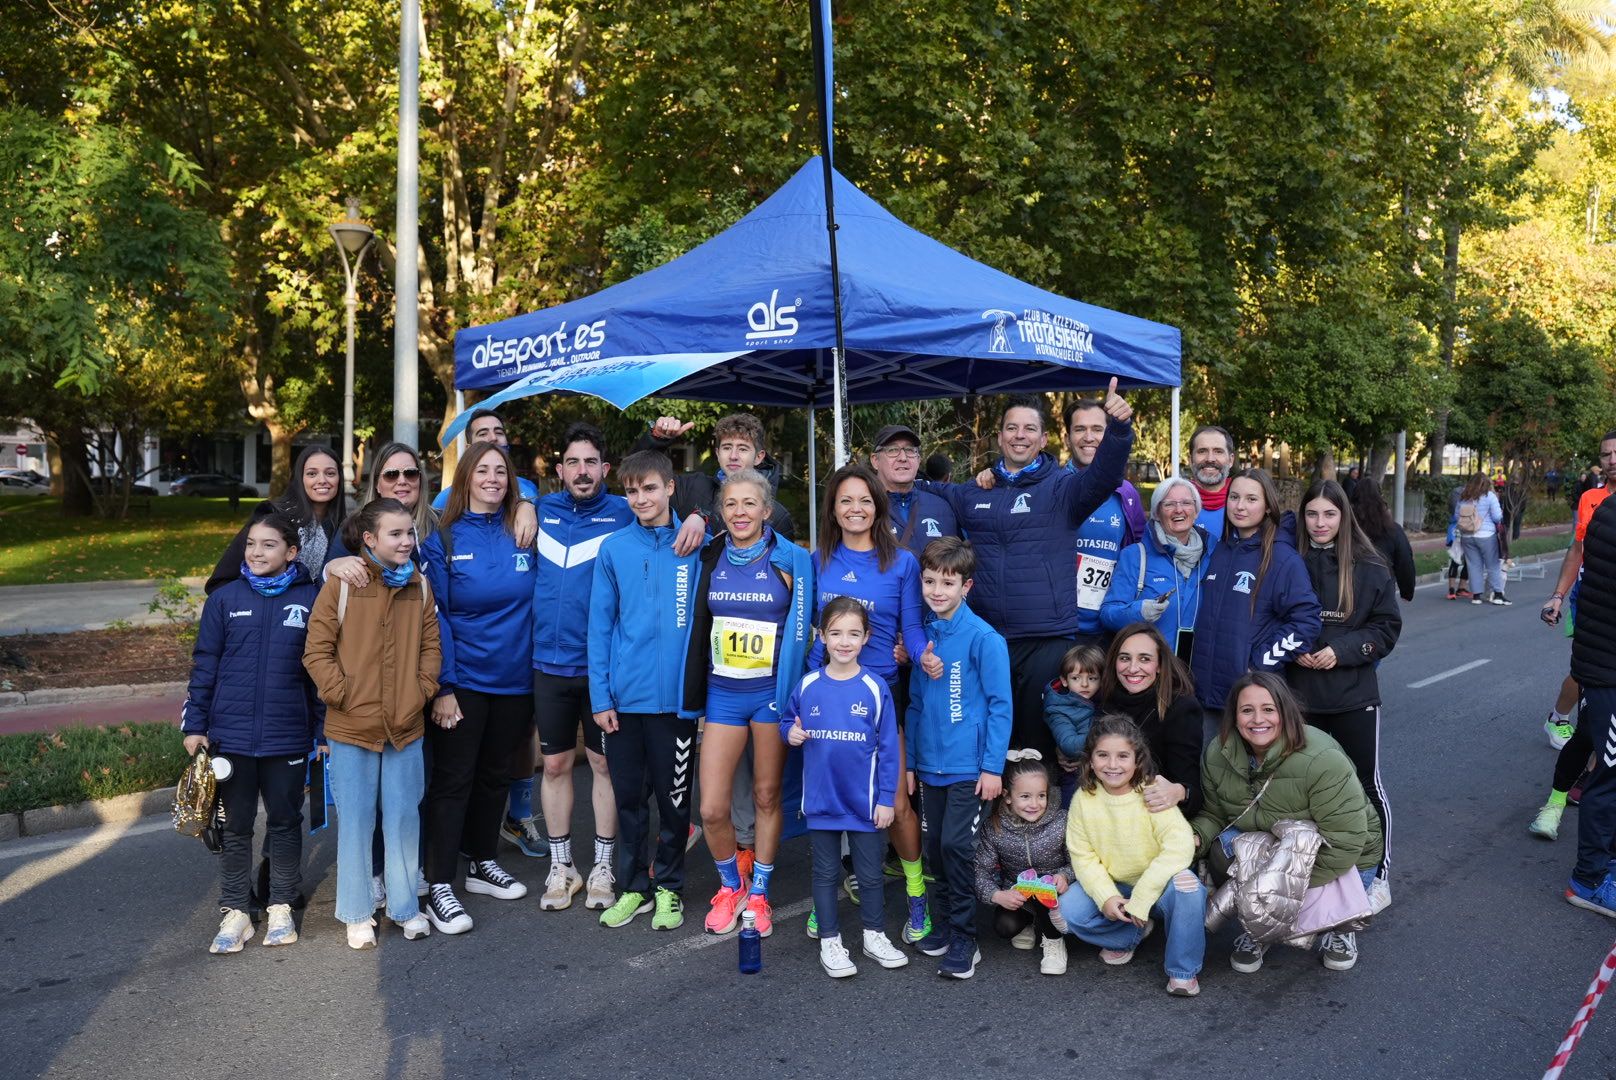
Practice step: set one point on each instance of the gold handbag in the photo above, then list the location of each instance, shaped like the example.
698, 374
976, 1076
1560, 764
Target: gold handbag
196, 802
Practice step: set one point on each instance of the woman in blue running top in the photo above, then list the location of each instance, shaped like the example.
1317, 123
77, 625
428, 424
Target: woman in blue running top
749, 636
859, 556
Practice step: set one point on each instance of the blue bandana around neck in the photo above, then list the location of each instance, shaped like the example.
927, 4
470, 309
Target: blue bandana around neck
270, 586
1007, 474
394, 577
740, 556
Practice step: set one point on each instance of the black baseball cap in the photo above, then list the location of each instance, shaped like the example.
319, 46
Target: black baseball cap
893, 431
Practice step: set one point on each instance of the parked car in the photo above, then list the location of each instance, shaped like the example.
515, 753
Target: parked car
27, 474
114, 488
211, 486
21, 485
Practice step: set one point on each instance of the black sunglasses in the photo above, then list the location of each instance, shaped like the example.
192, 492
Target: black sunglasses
412, 473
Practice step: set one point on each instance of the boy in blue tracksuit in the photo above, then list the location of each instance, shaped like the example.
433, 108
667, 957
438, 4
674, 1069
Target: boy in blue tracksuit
251, 701
959, 731
640, 614
842, 717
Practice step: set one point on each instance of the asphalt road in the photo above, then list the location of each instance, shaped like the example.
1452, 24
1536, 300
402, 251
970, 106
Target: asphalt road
1475, 970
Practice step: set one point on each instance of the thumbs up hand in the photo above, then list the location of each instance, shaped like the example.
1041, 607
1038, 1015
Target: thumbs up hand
930, 662
796, 736
1115, 407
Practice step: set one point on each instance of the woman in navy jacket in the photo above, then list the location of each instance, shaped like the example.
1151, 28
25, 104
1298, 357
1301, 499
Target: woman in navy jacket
252, 702
483, 582
1258, 611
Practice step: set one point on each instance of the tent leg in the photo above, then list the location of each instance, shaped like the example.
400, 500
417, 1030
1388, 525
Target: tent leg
840, 421
813, 484
460, 439
1174, 434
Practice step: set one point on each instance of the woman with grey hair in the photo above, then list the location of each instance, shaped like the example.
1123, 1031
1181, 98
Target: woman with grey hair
1158, 580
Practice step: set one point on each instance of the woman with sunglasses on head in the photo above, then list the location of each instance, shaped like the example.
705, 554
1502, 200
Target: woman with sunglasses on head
316, 505
398, 475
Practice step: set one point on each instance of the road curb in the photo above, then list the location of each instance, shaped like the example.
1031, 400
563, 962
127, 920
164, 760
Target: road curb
1530, 560
80, 695
7, 591
85, 815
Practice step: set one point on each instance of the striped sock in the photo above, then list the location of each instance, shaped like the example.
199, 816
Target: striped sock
561, 850
761, 872
605, 848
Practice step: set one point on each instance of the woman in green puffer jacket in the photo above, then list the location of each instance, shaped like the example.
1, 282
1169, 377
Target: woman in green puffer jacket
1266, 765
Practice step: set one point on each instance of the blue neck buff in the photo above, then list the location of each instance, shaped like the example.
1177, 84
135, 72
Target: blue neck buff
740, 556
394, 577
1003, 472
270, 586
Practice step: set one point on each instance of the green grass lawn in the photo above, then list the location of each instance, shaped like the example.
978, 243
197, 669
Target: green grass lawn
1426, 562
179, 537
75, 764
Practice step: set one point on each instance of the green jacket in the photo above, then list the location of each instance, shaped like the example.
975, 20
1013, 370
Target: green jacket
1317, 783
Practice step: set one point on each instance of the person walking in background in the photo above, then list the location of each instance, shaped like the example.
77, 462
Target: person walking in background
1477, 516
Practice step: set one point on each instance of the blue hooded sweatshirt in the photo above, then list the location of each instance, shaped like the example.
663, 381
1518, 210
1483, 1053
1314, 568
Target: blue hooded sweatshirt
640, 611
919, 517
1022, 529
570, 537
1236, 632
959, 725
249, 693
785, 558
891, 599
850, 761
484, 587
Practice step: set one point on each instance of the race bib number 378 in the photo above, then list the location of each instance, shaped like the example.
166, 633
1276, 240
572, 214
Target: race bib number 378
1093, 579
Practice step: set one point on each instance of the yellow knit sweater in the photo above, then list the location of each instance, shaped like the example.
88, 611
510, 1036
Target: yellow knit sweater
1113, 838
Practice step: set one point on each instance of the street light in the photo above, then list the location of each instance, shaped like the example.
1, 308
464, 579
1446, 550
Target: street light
353, 239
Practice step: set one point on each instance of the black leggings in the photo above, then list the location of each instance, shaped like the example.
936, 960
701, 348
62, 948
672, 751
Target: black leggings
471, 774
1358, 732
1007, 924
1573, 757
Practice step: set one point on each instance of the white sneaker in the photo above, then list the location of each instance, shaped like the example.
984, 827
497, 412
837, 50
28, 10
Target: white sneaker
1054, 959
834, 959
879, 947
281, 929
362, 935
235, 930
490, 879
598, 893
561, 884
416, 926
1025, 940
378, 892
1380, 895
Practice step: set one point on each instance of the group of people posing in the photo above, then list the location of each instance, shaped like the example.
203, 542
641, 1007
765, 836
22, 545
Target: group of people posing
1023, 690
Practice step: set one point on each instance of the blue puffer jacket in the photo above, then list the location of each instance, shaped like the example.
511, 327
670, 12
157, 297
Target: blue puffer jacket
959, 725
640, 613
1022, 530
919, 517
483, 584
570, 537
249, 693
1233, 635
1125, 599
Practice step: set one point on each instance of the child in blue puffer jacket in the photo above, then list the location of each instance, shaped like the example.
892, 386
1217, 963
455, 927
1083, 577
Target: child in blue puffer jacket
1069, 709
252, 702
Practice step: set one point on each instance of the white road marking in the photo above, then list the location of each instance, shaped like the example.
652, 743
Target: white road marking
102, 834
1450, 673
704, 940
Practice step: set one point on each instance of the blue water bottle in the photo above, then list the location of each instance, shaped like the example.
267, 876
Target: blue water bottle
751, 945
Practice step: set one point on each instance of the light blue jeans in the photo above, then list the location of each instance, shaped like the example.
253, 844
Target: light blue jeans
1182, 915
1481, 557
360, 779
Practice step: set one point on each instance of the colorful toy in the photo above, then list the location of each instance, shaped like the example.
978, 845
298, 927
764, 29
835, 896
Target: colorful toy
1041, 889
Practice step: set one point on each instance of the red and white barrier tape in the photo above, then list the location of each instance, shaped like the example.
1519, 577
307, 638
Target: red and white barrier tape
1590, 1003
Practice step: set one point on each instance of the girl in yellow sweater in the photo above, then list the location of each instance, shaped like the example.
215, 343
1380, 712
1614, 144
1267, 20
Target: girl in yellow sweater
1132, 866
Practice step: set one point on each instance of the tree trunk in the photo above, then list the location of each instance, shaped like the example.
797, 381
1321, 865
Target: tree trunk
1447, 331
280, 455
77, 499
1380, 459
1324, 465
264, 406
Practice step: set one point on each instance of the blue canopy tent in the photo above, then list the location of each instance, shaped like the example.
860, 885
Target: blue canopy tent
748, 318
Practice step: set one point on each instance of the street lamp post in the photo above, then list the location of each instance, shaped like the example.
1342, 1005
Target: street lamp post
353, 239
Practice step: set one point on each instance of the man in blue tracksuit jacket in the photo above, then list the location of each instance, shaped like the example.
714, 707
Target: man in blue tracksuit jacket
1022, 530
573, 523
1117, 523
918, 515
641, 609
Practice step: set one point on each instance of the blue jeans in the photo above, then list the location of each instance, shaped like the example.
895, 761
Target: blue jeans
360, 779
1182, 916
1481, 556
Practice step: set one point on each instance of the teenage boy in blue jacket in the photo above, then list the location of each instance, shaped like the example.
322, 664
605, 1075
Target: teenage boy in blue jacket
640, 614
959, 731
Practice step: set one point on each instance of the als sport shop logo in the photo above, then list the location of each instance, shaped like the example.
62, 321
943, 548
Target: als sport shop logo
771, 321
539, 351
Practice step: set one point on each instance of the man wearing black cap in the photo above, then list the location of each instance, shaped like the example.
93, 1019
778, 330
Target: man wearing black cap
918, 517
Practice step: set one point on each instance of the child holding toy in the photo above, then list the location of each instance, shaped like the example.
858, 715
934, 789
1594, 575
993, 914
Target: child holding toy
1021, 864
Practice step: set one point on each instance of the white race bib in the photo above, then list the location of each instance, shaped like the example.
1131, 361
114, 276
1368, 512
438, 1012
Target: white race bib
1093, 579
743, 648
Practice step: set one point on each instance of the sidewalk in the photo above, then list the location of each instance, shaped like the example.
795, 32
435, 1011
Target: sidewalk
91, 605
1436, 541
136, 705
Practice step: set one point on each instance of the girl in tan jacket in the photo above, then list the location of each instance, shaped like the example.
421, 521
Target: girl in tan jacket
374, 657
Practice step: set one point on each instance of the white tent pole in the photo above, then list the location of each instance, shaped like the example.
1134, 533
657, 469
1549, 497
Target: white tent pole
813, 484
1174, 471
839, 417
